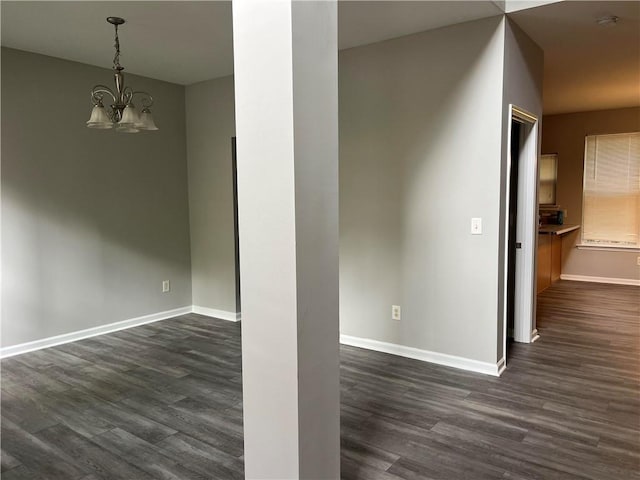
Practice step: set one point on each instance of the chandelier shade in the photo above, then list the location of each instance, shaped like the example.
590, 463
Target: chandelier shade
122, 113
129, 116
146, 120
99, 118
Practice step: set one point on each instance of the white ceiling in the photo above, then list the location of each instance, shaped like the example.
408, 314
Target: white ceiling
186, 42
179, 42
364, 22
587, 67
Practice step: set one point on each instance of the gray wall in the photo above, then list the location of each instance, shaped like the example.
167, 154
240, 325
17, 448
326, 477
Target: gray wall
523, 73
210, 126
420, 155
92, 221
564, 135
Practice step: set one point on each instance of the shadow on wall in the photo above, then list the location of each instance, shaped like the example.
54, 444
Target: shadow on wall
93, 221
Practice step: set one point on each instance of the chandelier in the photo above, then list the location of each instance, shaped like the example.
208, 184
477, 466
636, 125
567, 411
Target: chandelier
122, 114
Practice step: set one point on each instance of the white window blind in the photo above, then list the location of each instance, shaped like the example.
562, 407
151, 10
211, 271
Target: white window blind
548, 167
611, 197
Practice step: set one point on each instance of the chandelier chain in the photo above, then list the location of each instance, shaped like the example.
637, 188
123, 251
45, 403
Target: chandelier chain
116, 58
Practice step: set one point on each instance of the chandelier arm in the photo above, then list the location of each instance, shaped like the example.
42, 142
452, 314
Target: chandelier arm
127, 95
147, 99
98, 91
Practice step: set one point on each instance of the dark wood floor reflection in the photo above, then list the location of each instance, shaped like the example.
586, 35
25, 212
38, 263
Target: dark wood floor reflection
163, 401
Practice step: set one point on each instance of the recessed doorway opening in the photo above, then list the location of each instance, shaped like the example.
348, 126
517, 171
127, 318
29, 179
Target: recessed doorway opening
521, 228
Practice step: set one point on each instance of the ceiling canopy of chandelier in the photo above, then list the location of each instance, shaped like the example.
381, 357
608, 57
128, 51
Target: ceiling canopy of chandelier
122, 114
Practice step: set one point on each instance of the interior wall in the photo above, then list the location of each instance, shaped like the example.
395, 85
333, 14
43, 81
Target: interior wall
420, 130
93, 221
420, 155
523, 76
565, 135
210, 127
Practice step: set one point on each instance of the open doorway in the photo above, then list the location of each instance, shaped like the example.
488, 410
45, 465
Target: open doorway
512, 245
521, 228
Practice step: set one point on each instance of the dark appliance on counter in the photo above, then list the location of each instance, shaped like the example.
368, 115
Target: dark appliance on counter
552, 215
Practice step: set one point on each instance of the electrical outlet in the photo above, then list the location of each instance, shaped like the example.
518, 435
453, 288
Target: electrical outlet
395, 312
638, 260
166, 286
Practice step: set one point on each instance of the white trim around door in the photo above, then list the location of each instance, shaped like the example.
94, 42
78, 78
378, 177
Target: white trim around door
526, 229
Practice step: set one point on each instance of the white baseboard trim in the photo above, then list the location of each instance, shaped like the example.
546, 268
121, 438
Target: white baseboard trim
424, 355
535, 335
501, 366
221, 314
91, 332
615, 281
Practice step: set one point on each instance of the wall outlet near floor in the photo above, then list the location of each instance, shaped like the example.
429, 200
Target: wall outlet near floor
395, 312
166, 286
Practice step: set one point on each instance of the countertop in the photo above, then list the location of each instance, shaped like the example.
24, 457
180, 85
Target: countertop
557, 229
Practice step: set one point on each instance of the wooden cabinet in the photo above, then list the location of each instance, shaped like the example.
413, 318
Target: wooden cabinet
549, 260
544, 261
556, 257
550, 253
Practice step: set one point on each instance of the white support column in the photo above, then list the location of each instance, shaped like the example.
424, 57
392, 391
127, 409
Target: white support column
286, 89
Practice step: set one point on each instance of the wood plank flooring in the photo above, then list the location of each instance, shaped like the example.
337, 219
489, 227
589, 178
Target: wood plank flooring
164, 401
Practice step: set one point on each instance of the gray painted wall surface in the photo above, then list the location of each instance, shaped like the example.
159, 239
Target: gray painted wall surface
210, 126
523, 73
420, 155
92, 221
565, 135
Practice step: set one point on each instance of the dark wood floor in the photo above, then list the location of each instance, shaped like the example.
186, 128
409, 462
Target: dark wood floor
163, 401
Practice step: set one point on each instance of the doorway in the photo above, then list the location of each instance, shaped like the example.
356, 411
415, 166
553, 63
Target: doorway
512, 245
521, 228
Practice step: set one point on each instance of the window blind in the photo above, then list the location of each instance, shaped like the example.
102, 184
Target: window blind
611, 195
547, 179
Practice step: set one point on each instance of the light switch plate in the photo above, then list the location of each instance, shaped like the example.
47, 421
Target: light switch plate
476, 226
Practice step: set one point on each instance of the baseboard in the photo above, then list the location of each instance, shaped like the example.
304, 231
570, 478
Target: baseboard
501, 366
615, 281
535, 335
221, 314
91, 332
424, 355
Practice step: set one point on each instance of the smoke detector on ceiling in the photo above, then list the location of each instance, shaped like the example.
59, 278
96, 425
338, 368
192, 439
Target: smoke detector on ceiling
608, 21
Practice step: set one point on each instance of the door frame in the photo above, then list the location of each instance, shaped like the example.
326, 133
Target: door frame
524, 329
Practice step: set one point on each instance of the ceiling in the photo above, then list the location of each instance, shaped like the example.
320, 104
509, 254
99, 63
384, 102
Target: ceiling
587, 67
188, 42
362, 22
179, 42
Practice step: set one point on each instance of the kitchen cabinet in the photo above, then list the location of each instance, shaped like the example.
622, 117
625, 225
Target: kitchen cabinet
550, 254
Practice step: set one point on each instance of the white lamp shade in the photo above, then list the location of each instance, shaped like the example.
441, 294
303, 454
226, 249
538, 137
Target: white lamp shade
99, 118
130, 117
126, 129
146, 121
